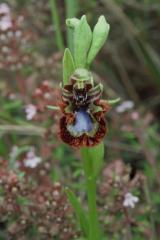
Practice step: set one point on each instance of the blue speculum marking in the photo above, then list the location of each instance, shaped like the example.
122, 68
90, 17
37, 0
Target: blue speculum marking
83, 123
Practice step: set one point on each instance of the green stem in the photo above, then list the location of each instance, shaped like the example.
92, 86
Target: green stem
56, 23
71, 11
94, 233
94, 230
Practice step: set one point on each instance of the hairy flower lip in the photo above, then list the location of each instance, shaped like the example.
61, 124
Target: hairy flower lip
84, 123
84, 139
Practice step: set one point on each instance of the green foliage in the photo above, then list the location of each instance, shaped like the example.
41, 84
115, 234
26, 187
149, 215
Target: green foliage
81, 215
85, 44
23, 201
3, 147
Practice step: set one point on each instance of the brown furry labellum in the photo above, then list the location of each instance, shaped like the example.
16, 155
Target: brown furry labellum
83, 121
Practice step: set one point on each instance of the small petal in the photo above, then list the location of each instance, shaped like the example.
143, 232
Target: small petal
31, 159
124, 106
130, 200
4, 8
31, 111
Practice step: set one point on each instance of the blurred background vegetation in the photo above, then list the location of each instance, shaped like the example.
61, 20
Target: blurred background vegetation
33, 36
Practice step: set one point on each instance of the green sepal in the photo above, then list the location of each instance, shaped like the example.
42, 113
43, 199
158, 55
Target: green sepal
113, 101
93, 156
97, 109
68, 109
82, 42
68, 66
100, 33
79, 211
55, 108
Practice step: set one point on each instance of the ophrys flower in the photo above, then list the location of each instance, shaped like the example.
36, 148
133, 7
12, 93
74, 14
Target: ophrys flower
83, 122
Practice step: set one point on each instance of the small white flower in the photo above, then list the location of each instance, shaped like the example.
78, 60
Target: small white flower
5, 23
31, 111
5, 20
130, 200
31, 159
4, 8
126, 105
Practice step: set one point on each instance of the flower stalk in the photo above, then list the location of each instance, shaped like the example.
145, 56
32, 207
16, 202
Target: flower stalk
92, 163
94, 230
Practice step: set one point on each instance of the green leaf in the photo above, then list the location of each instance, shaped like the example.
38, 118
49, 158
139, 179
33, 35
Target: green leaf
80, 213
94, 156
3, 147
13, 105
23, 201
82, 42
68, 66
100, 34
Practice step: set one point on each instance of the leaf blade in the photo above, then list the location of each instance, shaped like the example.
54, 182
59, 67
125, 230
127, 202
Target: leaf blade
79, 211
